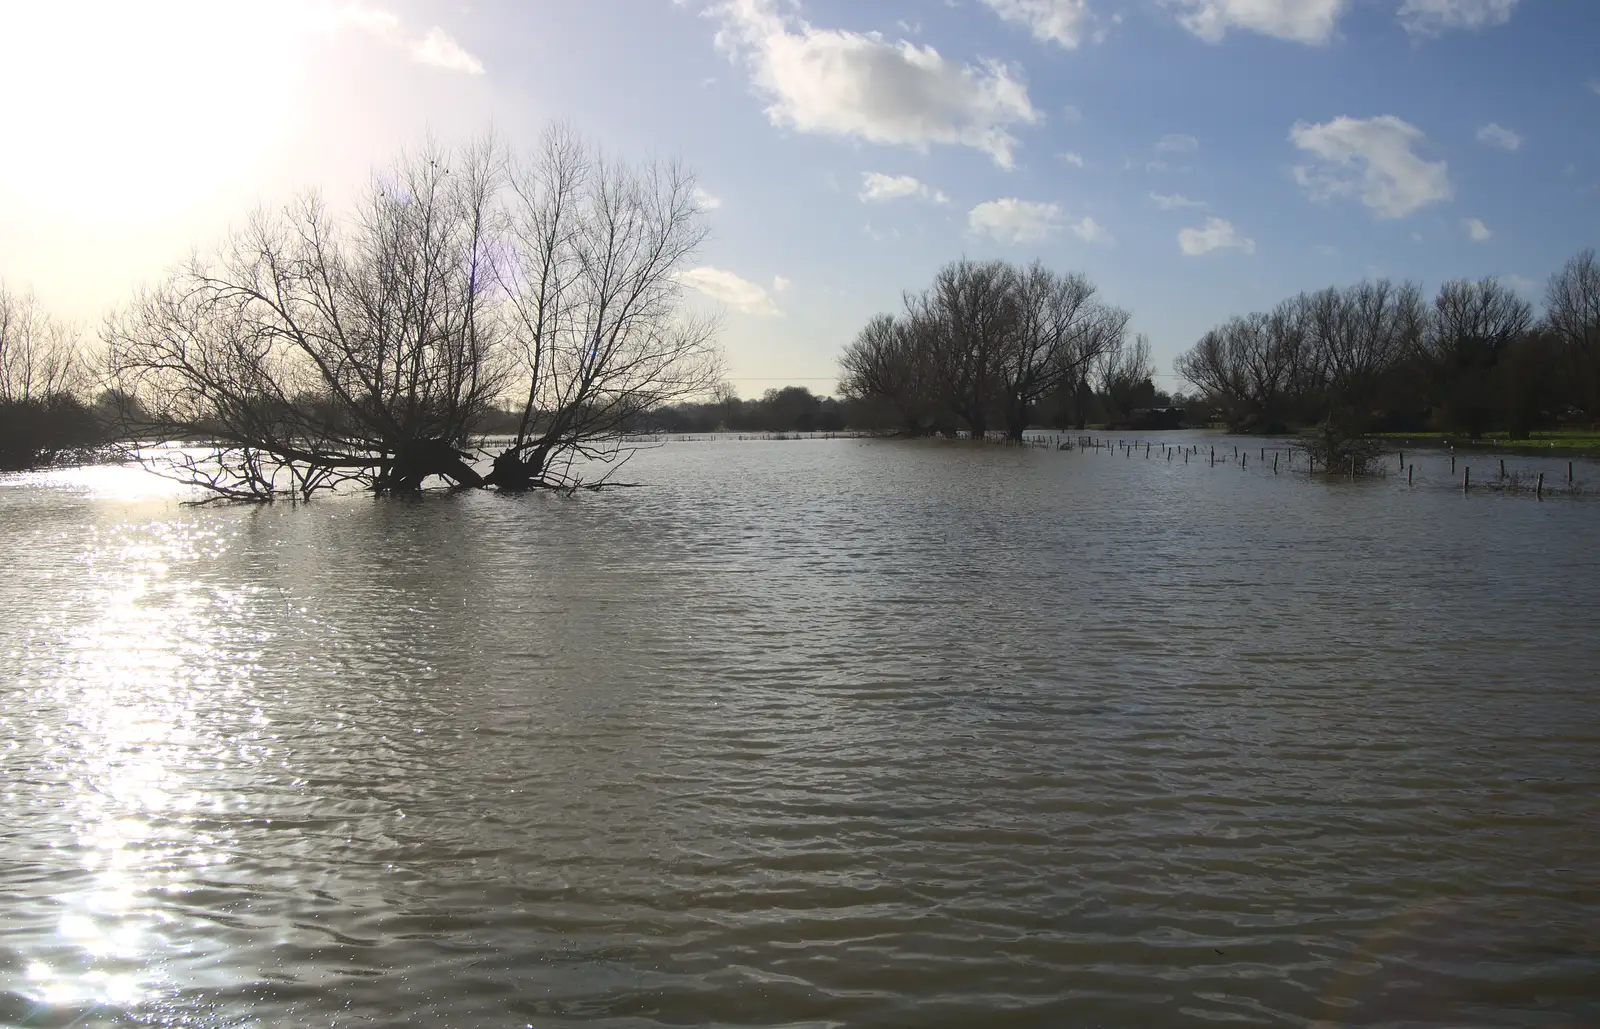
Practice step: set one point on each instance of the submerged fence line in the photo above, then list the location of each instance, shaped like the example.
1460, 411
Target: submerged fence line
1276, 459
1268, 459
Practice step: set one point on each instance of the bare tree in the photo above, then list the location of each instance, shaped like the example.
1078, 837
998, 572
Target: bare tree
313, 350
40, 355
884, 366
43, 378
1245, 367
593, 305
1126, 376
1572, 308
971, 315
1061, 332
1472, 326
1362, 332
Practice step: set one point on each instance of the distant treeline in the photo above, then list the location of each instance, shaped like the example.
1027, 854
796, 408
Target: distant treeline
993, 345
43, 414
1379, 356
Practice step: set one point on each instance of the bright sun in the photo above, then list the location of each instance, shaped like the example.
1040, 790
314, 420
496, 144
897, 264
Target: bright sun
128, 112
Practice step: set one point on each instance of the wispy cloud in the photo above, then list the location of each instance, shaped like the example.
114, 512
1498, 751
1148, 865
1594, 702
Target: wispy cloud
1477, 231
1498, 136
1074, 159
1431, 17
734, 290
1091, 231
1214, 234
1063, 22
1174, 201
1010, 220
1177, 143
434, 47
440, 49
1301, 21
878, 188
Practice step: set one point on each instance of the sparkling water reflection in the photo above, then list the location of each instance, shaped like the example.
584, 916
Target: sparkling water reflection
809, 733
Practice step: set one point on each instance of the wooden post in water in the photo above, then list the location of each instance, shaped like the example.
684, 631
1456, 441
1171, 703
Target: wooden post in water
1352, 469
1502, 468
1466, 479
1410, 470
1540, 491
1452, 464
1274, 463
1569, 473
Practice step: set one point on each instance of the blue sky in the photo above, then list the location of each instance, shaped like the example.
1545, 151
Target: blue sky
1196, 158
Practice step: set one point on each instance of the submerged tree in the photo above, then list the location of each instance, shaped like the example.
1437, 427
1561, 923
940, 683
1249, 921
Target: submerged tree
314, 350
593, 304
1062, 333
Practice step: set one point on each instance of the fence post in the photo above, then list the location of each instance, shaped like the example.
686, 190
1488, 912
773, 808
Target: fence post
1540, 491
1466, 479
1410, 469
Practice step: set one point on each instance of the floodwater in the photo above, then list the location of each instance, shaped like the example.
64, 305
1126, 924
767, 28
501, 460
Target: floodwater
821, 733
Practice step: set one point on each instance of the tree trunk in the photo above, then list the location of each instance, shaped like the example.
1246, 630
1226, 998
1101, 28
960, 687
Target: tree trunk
416, 461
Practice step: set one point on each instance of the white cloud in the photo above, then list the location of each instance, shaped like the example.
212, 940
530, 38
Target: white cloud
436, 47
1174, 202
1010, 220
779, 284
875, 186
1301, 21
1523, 285
736, 292
1215, 234
1064, 22
1372, 158
1074, 159
860, 85
1498, 136
1477, 231
1431, 17
1091, 231
439, 49
707, 201
1071, 115
1177, 143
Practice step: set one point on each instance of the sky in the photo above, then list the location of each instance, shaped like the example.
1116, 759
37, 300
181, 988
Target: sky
1195, 158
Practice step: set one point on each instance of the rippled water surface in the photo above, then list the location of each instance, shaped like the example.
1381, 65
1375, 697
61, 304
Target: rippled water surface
807, 733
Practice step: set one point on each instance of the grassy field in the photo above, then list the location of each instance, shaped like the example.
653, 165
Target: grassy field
1565, 441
